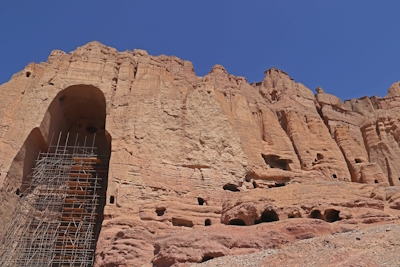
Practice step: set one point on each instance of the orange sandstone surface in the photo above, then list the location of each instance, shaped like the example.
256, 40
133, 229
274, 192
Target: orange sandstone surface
205, 167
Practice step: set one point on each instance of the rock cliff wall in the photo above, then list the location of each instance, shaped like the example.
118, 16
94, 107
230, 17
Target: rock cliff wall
193, 157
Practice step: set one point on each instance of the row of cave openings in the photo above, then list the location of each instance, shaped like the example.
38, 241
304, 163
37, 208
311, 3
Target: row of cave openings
268, 215
79, 110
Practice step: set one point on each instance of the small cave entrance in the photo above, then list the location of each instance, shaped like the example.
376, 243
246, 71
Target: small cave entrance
200, 201
231, 187
316, 214
320, 156
237, 222
267, 216
160, 211
274, 161
332, 215
181, 222
207, 222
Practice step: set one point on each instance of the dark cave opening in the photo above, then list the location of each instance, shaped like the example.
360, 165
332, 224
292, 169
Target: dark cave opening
332, 215
200, 201
267, 216
231, 187
316, 214
160, 211
182, 222
274, 161
238, 222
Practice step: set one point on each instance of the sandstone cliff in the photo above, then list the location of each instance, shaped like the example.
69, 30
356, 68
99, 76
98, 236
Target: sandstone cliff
191, 158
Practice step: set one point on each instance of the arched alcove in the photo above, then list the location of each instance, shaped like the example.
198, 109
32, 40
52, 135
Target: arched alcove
78, 111
267, 216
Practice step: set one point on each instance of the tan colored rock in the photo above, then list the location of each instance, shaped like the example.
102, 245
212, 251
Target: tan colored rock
190, 155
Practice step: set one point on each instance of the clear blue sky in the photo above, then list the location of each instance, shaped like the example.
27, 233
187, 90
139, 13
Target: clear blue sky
350, 48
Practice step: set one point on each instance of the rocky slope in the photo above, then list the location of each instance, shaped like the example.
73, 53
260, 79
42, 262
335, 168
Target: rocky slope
192, 158
373, 246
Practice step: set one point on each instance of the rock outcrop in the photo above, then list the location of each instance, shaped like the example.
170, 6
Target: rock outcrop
203, 167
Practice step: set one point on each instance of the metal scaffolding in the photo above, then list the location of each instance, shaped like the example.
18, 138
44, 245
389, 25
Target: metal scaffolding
56, 222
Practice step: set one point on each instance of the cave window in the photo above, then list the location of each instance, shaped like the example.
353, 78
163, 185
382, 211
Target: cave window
181, 222
112, 199
332, 215
231, 187
274, 161
376, 181
319, 156
316, 214
207, 222
399, 178
334, 176
358, 160
160, 211
200, 201
28, 74
238, 222
267, 216
17, 192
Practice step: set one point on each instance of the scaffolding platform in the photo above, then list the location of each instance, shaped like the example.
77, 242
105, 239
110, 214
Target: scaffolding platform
58, 218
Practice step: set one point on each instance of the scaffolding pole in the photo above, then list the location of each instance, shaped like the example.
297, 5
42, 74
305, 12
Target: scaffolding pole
56, 222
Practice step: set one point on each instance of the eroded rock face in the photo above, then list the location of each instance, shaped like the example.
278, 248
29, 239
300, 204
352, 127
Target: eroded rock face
203, 167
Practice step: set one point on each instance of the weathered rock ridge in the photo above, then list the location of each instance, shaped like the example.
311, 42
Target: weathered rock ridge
194, 158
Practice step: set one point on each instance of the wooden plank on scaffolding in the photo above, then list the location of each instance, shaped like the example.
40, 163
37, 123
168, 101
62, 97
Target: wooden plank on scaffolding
78, 184
94, 160
77, 192
81, 175
78, 210
81, 167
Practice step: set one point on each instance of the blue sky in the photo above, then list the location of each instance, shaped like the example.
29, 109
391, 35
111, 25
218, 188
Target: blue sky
350, 48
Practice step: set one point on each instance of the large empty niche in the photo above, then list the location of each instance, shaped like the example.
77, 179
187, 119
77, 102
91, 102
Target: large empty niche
274, 161
78, 112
